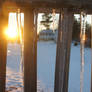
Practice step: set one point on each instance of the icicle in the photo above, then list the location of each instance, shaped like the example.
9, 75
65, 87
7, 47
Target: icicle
82, 46
22, 52
22, 45
20, 31
53, 19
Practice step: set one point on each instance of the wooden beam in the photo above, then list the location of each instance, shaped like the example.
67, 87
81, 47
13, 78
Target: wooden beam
45, 6
3, 51
30, 64
91, 54
68, 50
63, 51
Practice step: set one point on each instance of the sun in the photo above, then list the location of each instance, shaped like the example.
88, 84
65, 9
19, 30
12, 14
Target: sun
13, 30
11, 33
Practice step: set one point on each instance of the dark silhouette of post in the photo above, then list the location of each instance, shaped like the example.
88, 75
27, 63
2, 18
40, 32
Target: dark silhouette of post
3, 51
30, 64
63, 51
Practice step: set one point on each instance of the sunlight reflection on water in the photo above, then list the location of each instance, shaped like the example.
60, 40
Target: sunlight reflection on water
14, 80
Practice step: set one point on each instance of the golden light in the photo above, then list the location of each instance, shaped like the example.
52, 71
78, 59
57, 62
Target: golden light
84, 37
13, 30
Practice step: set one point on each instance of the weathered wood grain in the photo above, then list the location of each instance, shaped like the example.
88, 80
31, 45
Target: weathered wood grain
3, 51
30, 64
63, 51
72, 4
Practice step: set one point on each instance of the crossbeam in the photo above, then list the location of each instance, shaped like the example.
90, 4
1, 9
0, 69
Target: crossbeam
42, 7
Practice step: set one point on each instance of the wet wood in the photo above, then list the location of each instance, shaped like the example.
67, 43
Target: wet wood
3, 51
30, 64
68, 50
91, 53
63, 51
75, 5
54, 3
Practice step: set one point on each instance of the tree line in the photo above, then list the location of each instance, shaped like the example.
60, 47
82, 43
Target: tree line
47, 20
76, 32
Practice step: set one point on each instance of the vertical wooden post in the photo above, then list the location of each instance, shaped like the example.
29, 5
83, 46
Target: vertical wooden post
91, 54
63, 51
3, 51
68, 50
30, 64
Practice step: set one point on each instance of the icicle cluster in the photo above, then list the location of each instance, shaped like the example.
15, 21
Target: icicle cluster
82, 47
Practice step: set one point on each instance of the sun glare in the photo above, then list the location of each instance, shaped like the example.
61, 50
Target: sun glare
12, 32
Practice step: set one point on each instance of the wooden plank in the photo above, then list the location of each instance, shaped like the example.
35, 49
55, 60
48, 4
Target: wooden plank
75, 6
63, 51
3, 52
44, 7
30, 64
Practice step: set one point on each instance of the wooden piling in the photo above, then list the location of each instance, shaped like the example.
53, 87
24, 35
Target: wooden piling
30, 64
63, 51
68, 50
91, 54
3, 51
